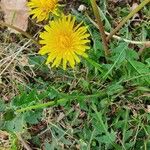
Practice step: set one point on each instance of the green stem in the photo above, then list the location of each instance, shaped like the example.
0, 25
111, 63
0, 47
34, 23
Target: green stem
100, 26
131, 14
20, 31
60, 101
39, 106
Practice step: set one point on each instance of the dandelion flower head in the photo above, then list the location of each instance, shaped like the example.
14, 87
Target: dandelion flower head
41, 9
64, 42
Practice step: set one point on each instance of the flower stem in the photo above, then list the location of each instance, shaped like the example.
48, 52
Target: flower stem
131, 14
100, 26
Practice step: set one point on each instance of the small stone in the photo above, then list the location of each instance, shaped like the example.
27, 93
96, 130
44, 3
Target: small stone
82, 8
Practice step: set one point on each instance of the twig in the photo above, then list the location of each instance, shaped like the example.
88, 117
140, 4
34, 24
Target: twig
118, 37
25, 145
20, 31
100, 26
131, 14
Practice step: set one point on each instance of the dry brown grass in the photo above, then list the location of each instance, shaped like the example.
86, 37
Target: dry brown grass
4, 141
13, 59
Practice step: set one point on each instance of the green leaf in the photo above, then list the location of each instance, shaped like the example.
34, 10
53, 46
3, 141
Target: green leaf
148, 62
48, 146
140, 68
118, 58
9, 115
33, 117
128, 134
95, 64
83, 144
2, 106
114, 88
105, 139
39, 63
107, 24
131, 54
15, 125
25, 98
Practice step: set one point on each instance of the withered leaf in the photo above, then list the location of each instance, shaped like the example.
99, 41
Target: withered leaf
16, 13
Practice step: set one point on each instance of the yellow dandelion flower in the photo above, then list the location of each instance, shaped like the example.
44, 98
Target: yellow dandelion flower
64, 42
41, 9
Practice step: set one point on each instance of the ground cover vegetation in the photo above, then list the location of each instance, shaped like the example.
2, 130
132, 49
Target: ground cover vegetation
78, 78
